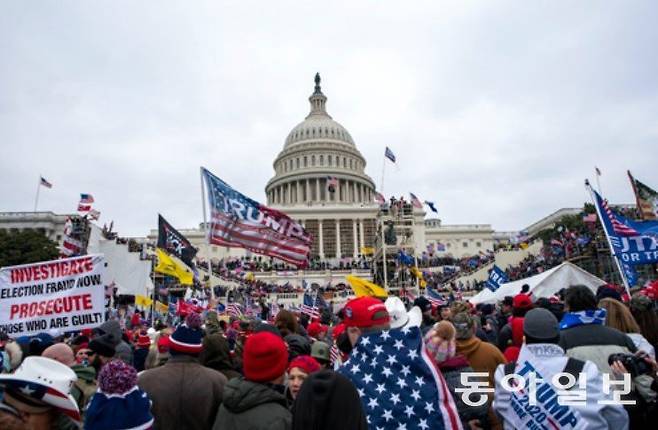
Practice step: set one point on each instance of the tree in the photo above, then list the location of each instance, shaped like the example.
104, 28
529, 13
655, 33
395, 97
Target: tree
23, 247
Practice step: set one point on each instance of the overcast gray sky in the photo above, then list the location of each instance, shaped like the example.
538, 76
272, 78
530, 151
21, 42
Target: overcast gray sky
496, 110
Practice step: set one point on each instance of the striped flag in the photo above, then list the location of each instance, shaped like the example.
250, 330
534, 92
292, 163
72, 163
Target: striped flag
415, 201
86, 198
310, 307
379, 198
94, 214
434, 297
70, 247
83, 207
618, 227
240, 222
45, 183
234, 310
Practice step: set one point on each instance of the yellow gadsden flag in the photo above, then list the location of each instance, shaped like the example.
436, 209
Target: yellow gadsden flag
367, 250
171, 266
363, 288
143, 301
161, 308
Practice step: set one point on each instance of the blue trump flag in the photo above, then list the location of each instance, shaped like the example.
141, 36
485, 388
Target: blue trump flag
496, 277
400, 386
633, 242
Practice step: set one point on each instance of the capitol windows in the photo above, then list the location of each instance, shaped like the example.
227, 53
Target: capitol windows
351, 164
321, 160
478, 244
329, 160
305, 161
312, 160
337, 161
465, 244
344, 163
297, 162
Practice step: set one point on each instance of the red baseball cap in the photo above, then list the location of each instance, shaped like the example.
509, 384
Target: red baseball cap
315, 328
522, 301
365, 312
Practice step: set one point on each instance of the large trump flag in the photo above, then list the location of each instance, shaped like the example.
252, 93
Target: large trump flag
238, 221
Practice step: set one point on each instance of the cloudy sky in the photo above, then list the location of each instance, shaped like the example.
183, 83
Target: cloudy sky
496, 110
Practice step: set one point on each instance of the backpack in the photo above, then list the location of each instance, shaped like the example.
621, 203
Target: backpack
573, 367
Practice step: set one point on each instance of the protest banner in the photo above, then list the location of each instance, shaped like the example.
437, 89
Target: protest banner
66, 294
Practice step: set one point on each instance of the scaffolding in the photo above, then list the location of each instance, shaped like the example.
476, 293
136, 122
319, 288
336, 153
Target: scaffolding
395, 233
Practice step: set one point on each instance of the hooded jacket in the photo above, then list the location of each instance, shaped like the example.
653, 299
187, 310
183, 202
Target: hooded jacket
547, 360
123, 350
216, 355
322, 394
452, 370
482, 356
253, 406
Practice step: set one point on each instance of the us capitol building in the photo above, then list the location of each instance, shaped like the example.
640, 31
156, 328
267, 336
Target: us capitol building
319, 154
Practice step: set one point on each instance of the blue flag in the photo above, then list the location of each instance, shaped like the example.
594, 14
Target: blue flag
633, 242
389, 154
496, 277
431, 206
400, 386
405, 259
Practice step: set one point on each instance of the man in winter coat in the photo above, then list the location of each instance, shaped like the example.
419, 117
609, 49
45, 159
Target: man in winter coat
185, 394
541, 357
482, 356
122, 350
257, 401
583, 333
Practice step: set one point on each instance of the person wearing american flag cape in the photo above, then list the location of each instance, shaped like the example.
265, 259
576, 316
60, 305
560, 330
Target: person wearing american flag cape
398, 382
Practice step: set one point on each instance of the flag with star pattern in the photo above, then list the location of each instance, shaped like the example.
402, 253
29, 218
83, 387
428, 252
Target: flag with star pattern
400, 385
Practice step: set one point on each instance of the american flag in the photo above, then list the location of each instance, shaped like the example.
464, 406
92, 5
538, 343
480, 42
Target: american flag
415, 201
334, 354
83, 207
310, 306
617, 226
434, 297
399, 384
234, 310
379, 198
45, 183
86, 198
70, 247
238, 221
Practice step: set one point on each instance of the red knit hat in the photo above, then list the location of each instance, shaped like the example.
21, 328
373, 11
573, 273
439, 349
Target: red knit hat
265, 357
365, 312
305, 363
315, 328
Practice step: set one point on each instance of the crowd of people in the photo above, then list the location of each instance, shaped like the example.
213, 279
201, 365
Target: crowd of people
204, 370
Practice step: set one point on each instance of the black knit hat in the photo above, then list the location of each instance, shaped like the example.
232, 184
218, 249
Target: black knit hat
103, 345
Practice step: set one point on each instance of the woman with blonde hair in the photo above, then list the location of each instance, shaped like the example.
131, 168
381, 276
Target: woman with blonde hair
618, 316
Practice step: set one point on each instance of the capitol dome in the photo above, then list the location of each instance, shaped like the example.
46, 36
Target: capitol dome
319, 163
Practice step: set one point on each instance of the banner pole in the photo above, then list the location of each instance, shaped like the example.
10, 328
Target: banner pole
607, 236
384, 258
36, 199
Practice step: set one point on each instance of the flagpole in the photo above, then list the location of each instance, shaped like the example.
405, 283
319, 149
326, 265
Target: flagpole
607, 236
383, 170
384, 258
36, 199
203, 205
598, 182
